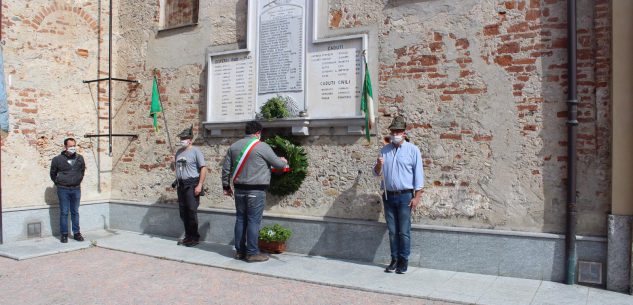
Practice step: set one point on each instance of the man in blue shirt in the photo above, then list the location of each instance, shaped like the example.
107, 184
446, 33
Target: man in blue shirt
400, 163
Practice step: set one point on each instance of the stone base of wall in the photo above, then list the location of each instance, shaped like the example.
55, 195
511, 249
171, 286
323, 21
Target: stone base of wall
515, 254
619, 253
92, 216
538, 256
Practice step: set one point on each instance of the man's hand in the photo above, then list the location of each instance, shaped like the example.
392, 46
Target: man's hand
414, 202
197, 190
379, 162
283, 159
228, 192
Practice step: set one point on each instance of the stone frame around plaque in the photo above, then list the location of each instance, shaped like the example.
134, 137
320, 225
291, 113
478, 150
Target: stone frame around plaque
231, 101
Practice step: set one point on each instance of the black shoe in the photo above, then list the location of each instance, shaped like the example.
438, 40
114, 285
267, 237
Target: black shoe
190, 243
402, 266
64, 238
78, 237
392, 266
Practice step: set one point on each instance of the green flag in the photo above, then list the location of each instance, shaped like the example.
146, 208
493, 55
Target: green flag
367, 103
155, 108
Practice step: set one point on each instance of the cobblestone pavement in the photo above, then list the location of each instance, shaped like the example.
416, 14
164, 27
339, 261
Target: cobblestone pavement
100, 276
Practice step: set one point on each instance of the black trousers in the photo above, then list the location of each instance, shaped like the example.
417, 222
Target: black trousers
188, 204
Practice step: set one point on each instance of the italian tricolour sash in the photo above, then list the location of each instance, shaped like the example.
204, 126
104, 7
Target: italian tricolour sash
239, 163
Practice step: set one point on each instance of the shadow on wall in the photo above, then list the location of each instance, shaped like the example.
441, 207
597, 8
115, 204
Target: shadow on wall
165, 221
162, 220
349, 241
52, 201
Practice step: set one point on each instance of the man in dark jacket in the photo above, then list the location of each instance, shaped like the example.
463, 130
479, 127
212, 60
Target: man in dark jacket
247, 165
67, 171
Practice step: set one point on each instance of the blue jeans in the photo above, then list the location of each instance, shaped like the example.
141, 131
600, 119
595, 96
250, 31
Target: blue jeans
249, 208
398, 217
68, 200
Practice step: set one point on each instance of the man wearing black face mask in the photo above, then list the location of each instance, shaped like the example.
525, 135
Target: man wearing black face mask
67, 171
401, 164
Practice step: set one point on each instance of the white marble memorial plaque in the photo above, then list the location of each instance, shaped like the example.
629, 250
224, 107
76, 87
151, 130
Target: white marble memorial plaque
233, 87
333, 82
281, 49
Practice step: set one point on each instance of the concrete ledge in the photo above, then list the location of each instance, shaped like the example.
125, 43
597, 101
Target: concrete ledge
93, 216
522, 254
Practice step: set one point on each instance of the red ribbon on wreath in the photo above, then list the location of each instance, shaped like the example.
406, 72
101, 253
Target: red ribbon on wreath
283, 170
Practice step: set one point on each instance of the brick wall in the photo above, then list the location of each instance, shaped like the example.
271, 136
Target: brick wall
482, 84
51, 47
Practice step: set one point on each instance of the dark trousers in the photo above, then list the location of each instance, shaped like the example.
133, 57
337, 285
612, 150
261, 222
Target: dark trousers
68, 202
188, 205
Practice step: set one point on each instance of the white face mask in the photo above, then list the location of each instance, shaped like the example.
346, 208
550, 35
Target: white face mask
397, 139
185, 142
71, 150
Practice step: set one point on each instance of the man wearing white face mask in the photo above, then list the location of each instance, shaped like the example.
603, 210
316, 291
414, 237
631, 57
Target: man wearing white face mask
190, 174
67, 171
401, 164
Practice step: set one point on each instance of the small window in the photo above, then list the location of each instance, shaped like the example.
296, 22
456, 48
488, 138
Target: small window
178, 13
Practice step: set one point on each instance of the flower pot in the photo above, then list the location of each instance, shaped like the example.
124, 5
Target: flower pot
272, 247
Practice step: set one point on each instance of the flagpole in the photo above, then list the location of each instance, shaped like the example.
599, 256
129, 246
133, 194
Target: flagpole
379, 140
171, 148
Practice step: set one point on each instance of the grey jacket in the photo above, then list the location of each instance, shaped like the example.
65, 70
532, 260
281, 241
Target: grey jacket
256, 171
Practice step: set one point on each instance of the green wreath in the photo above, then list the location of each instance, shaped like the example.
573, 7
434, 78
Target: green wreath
282, 184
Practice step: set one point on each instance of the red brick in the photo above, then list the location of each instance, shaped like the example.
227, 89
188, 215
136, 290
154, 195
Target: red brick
511, 47
532, 15
491, 30
451, 136
462, 43
482, 138
529, 127
445, 98
504, 60
519, 27
527, 107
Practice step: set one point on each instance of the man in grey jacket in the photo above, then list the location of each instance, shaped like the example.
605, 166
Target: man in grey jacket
247, 164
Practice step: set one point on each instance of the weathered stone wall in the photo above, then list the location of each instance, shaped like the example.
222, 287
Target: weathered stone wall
482, 84
50, 47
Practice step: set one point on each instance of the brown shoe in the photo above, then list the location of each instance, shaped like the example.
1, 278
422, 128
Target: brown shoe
256, 258
239, 256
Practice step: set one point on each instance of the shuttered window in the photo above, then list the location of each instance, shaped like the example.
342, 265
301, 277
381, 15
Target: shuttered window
178, 13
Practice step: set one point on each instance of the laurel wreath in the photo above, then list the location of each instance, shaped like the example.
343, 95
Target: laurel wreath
283, 184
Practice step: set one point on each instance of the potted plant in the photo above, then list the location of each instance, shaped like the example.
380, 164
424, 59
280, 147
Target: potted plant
272, 238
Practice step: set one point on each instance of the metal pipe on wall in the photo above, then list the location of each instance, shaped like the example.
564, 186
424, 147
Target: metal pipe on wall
110, 80
572, 126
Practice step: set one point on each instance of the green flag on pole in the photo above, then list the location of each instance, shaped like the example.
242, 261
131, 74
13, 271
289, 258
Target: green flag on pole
367, 103
155, 108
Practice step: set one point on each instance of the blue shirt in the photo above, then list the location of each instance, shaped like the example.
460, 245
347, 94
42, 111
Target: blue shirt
402, 168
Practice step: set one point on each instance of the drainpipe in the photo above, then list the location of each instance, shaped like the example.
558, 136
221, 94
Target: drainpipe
572, 126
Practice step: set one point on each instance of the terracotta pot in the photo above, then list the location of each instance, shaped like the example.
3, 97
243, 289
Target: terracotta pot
272, 247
